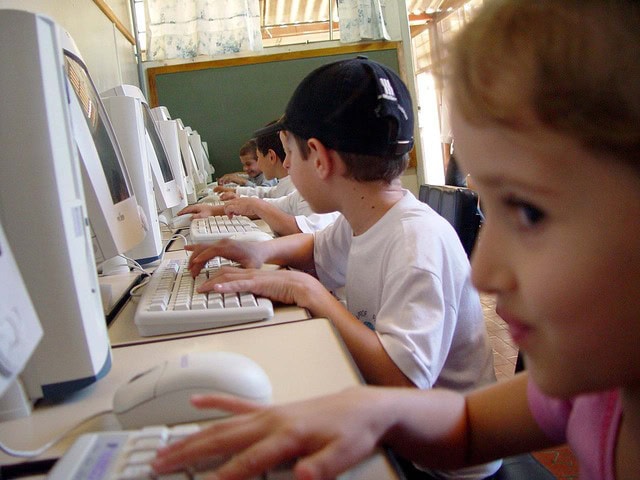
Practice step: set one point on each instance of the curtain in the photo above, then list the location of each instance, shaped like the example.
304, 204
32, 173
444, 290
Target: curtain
362, 20
187, 28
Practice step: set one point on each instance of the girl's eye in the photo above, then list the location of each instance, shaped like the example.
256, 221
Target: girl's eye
528, 215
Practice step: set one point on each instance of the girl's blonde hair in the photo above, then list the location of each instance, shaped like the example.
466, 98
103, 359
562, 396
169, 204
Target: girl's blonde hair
571, 65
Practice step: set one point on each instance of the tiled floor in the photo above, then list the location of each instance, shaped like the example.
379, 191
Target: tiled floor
560, 461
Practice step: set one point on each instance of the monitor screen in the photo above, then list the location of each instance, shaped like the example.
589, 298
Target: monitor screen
104, 140
168, 130
156, 142
115, 220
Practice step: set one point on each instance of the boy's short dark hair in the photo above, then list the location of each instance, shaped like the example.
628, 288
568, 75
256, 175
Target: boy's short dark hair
270, 141
248, 148
364, 168
358, 107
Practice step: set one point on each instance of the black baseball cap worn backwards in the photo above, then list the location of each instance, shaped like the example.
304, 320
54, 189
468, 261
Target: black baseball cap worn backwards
354, 106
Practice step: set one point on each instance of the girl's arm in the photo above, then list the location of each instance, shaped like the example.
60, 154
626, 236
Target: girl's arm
328, 435
493, 422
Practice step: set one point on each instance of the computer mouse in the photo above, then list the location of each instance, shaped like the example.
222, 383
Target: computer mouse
181, 221
160, 395
253, 236
212, 198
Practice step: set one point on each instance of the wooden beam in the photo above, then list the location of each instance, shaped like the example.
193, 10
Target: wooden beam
110, 14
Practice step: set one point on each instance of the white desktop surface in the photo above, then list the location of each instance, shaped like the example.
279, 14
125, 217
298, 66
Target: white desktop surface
302, 359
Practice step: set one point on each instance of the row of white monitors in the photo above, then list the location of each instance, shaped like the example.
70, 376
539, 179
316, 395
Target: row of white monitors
68, 200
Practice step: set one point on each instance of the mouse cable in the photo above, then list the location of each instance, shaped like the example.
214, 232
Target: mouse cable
173, 237
48, 445
145, 281
135, 265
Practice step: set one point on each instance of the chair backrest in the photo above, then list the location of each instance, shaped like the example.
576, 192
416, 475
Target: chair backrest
459, 206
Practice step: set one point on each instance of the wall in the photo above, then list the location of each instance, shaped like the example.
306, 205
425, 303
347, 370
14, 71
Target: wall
227, 101
107, 53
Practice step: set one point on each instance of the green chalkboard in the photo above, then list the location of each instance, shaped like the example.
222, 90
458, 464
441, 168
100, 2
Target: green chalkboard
226, 104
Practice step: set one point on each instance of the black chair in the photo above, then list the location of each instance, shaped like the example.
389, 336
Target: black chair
518, 467
459, 206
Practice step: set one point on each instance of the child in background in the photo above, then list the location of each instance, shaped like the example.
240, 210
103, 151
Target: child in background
281, 206
270, 155
254, 176
547, 122
412, 317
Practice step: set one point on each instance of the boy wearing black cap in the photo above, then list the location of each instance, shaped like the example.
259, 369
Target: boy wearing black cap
412, 316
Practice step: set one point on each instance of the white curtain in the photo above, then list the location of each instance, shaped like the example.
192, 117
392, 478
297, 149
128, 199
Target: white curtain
362, 20
187, 28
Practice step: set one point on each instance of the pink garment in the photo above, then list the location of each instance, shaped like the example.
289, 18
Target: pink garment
587, 423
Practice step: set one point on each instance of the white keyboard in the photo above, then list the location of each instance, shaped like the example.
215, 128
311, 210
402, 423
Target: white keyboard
214, 228
171, 304
126, 455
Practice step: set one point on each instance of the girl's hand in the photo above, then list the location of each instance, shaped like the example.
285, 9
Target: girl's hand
324, 436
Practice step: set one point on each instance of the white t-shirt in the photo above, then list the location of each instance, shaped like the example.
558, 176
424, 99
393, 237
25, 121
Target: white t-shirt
307, 220
283, 187
408, 278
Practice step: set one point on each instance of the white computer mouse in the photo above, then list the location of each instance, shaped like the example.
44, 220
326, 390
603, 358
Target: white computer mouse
181, 221
160, 395
211, 198
253, 236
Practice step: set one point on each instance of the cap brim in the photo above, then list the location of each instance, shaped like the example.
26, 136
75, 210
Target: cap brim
270, 129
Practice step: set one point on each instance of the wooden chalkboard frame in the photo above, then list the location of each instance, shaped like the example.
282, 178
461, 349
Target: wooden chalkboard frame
189, 103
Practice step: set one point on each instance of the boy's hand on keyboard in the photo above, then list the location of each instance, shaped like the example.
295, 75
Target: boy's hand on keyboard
286, 286
246, 206
247, 254
198, 210
225, 196
326, 435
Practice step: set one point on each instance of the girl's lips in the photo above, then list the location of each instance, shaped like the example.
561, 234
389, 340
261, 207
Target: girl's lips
518, 330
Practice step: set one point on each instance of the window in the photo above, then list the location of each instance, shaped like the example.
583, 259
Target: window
283, 22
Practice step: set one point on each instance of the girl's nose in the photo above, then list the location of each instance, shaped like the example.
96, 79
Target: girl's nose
490, 268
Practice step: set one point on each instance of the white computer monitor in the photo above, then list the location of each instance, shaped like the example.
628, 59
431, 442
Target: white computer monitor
202, 158
43, 209
189, 156
21, 333
127, 118
113, 209
161, 113
168, 130
166, 186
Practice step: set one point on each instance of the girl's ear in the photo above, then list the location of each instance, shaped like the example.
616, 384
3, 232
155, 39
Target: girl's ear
324, 159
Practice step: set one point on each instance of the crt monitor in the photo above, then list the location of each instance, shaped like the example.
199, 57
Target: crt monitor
168, 130
165, 183
113, 210
20, 333
43, 210
198, 178
202, 158
127, 118
161, 113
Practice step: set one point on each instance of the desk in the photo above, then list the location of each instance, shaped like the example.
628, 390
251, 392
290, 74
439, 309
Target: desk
302, 359
122, 330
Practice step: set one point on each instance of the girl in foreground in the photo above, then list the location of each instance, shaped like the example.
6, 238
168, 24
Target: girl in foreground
547, 123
